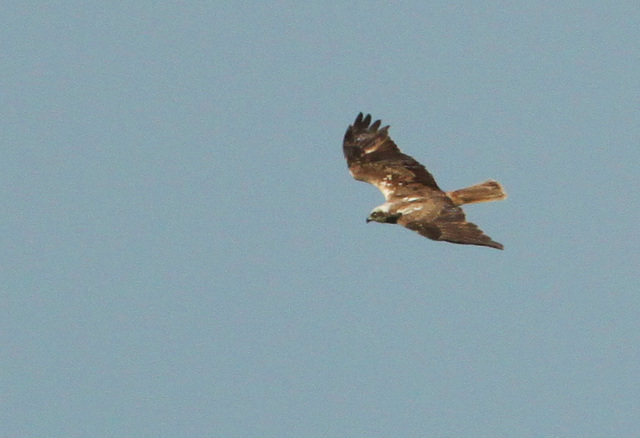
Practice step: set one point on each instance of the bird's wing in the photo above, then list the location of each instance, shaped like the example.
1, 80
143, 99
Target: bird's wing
374, 158
451, 226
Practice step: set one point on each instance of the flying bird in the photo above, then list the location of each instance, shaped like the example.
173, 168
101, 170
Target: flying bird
413, 198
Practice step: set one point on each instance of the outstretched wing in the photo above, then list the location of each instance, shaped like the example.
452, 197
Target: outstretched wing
451, 226
374, 158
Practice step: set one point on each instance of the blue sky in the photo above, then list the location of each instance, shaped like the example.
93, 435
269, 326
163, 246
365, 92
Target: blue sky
185, 253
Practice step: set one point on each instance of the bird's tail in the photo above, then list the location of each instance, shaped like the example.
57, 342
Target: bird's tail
484, 192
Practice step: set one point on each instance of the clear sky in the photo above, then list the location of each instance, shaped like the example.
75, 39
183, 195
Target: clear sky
184, 252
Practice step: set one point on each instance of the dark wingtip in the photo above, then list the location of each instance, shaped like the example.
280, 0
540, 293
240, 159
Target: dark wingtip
497, 245
364, 122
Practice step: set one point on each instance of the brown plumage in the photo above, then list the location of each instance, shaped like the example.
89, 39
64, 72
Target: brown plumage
413, 197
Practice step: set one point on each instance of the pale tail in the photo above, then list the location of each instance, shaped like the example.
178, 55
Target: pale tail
484, 192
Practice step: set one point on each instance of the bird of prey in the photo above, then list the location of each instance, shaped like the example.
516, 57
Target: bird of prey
413, 198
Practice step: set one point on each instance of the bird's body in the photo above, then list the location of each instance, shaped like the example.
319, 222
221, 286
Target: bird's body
413, 197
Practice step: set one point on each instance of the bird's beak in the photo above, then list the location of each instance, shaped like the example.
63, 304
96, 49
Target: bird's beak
368, 220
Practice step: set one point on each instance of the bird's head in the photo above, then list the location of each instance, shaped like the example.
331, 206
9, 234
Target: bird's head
383, 215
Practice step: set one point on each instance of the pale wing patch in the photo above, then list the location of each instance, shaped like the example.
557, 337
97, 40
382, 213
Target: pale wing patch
413, 205
386, 188
410, 209
374, 147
